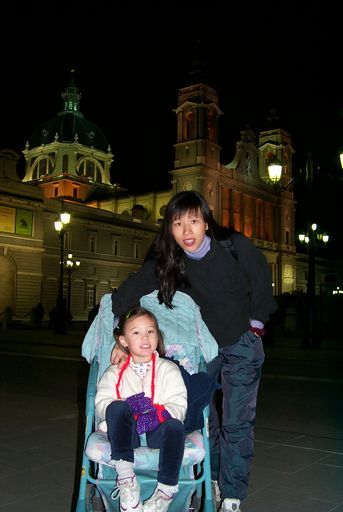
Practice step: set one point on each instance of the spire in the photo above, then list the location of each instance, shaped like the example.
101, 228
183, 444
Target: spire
273, 118
71, 97
198, 73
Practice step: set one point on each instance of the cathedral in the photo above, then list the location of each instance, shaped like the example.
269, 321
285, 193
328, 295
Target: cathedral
68, 170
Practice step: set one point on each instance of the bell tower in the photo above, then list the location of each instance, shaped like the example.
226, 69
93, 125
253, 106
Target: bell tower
197, 152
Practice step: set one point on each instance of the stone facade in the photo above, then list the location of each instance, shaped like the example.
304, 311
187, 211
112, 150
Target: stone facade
111, 229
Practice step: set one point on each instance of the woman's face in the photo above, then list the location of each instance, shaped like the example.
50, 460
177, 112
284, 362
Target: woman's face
189, 230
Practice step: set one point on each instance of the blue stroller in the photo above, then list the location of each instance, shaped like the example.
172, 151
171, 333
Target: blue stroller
188, 341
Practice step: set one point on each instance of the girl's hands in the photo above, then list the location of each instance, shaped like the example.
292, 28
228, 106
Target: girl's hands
118, 356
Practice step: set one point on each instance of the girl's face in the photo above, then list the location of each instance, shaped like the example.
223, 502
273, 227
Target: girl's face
140, 337
189, 230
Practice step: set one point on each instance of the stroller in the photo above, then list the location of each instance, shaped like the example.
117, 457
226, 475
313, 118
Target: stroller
190, 344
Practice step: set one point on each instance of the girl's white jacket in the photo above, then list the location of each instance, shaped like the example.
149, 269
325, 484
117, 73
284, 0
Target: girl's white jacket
170, 389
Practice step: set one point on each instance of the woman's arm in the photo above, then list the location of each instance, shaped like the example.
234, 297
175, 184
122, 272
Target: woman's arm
256, 268
118, 356
134, 287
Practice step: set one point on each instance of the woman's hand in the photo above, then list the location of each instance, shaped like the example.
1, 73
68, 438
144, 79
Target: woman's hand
118, 356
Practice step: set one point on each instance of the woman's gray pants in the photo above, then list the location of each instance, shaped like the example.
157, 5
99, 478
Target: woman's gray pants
233, 413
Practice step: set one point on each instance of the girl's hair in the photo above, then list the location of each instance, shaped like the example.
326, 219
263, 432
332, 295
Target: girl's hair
170, 265
134, 313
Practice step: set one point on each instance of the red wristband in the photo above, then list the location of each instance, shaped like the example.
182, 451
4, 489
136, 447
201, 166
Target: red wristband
257, 331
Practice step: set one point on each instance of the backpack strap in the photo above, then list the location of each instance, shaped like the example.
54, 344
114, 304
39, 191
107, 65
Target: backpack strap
229, 246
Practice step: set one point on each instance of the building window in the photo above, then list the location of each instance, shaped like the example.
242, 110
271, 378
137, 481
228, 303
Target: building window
67, 240
248, 216
115, 247
137, 250
90, 299
92, 242
259, 221
90, 169
41, 167
287, 237
237, 211
75, 192
56, 191
268, 222
188, 127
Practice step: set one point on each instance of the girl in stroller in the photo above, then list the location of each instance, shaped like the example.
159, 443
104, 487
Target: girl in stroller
147, 395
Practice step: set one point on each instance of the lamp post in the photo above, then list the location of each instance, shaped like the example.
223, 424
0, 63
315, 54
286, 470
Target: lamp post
279, 182
60, 227
311, 336
312, 238
71, 264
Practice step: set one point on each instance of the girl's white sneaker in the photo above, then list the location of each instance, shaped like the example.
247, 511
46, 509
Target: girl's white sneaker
158, 502
130, 500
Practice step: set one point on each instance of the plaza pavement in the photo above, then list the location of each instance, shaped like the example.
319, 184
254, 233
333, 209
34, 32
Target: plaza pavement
297, 467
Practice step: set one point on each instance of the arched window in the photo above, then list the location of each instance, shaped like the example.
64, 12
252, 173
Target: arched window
189, 126
41, 167
90, 169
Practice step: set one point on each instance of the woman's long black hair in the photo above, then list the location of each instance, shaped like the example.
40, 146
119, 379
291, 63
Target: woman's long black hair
168, 254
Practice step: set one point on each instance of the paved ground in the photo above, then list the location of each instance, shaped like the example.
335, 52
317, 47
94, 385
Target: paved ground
298, 465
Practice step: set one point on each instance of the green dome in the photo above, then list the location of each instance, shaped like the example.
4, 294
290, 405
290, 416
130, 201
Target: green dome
69, 125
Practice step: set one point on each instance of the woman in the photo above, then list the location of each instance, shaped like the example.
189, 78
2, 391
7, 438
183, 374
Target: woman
229, 279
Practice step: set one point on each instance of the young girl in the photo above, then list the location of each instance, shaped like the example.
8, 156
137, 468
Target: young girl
229, 278
146, 395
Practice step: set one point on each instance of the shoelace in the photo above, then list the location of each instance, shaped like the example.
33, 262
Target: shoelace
116, 491
162, 496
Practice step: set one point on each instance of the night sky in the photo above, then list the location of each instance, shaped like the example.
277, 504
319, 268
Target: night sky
130, 62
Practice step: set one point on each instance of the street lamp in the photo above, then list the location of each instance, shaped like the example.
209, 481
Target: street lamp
274, 167
341, 159
70, 264
312, 239
60, 227
278, 181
